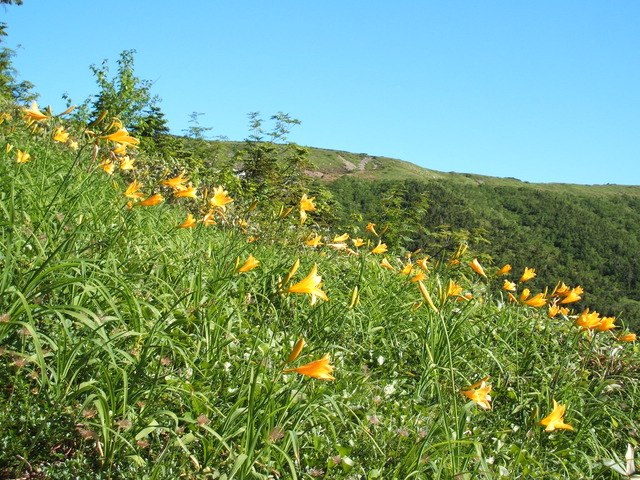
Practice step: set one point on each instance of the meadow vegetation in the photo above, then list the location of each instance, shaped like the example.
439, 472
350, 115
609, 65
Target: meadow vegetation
159, 322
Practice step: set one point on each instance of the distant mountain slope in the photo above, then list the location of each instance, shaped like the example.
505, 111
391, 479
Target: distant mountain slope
334, 164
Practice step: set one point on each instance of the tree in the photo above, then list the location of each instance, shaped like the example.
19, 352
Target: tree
270, 164
10, 88
124, 96
195, 130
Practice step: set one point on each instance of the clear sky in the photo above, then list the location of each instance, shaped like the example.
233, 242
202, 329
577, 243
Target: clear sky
543, 91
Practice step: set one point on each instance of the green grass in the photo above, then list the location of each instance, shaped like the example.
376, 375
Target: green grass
134, 349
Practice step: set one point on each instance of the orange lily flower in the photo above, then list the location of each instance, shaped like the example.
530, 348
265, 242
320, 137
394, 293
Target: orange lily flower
629, 337
528, 274
381, 248
314, 242
537, 301
190, 192
250, 264
132, 190
503, 270
371, 227
555, 419
479, 395
385, 263
152, 200
317, 369
220, 198
606, 324
310, 284
588, 320
297, 348
34, 113
176, 183
476, 267
189, 222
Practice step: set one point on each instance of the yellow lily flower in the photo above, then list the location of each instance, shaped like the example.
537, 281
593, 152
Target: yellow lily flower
476, 267
108, 166
555, 419
126, 163
123, 138
407, 269
453, 289
371, 227
132, 190
60, 135
528, 274
297, 348
152, 200
479, 395
314, 242
381, 248
357, 242
34, 113
189, 222
509, 286
208, 218
341, 238
306, 204
311, 285
22, 157
220, 198
250, 264
317, 369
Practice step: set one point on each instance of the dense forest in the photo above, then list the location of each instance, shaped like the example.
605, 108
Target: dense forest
590, 240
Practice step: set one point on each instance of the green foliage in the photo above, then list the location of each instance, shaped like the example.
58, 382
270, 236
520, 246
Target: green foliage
270, 167
419, 215
130, 348
195, 130
10, 87
581, 239
129, 98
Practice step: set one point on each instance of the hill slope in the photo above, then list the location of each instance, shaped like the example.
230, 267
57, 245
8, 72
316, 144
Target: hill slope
334, 164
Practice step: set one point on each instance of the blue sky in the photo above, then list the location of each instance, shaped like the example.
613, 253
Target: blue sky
543, 91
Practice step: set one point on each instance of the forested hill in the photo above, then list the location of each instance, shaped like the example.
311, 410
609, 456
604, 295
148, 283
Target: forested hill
586, 235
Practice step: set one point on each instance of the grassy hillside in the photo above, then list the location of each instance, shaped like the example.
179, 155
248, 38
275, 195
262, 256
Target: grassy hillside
331, 165
155, 325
